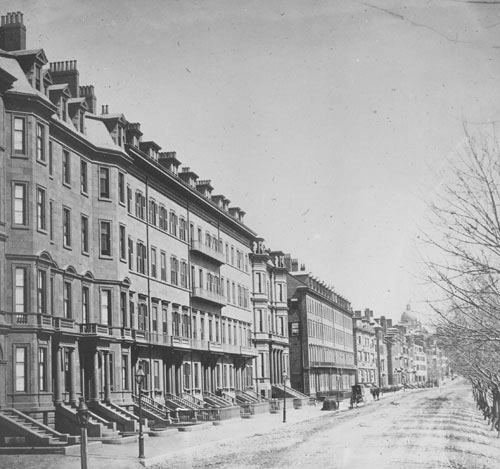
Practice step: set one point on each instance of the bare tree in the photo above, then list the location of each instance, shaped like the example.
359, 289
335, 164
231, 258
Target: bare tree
465, 268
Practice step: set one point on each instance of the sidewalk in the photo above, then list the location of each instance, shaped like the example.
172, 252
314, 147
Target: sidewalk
173, 441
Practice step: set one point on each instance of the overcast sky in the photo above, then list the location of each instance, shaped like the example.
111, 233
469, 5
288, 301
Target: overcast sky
328, 122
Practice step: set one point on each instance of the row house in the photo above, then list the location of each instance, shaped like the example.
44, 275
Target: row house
365, 348
270, 334
111, 256
322, 361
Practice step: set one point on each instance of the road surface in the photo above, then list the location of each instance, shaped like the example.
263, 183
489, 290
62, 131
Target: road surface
430, 428
435, 428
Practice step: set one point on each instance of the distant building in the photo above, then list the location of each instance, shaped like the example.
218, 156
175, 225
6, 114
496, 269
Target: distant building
321, 340
365, 348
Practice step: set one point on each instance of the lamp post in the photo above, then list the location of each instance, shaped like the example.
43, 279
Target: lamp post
284, 397
83, 418
139, 378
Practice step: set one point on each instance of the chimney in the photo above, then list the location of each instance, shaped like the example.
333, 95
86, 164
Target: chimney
66, 72
104, 109
302, 267
188, 176
389, 323
168, 159
133, 133
87, 92
234, 212
12, 32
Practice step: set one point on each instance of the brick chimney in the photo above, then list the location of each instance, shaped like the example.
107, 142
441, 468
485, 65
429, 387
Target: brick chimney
87, 92
12, 32
66, 72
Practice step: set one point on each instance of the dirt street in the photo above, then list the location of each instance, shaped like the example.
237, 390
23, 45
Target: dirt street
435, 428
418, 429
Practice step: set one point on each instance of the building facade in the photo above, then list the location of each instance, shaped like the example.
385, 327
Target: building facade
270, 317
110, 256
365, 348
321, 340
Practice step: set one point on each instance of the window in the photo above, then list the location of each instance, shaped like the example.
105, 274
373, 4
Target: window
21, 292
175, 323
52, 295
105, 237
140, 205
143, 317
19, 135
153, 262
85, 234
173, 224
83, 177
121, 188
202, 328
86, 304
184, 276
162, 218
42, 370
129, 199
174, 272
152, 212
141, 258
42, 291
106, 307
125, 381
156, 374
123, 308
51, 159
104, 183
122, 237
155, 318
67, 304
164, 318
130, 254
38, 76
20, 205
41, 219
131, 308
21, 369
81, 122
40, 142
66, 167
182, 229
66, 227
163, 266
63, 109
193, 328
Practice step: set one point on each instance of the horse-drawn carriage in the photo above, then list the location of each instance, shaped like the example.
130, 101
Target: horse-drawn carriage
357, 396
360, 394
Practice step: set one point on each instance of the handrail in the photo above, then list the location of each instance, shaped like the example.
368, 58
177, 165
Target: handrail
150, 404
181, 401
193, 399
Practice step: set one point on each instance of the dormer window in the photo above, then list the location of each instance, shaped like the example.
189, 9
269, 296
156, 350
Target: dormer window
120, 136
82, 121
63, 109
38, 79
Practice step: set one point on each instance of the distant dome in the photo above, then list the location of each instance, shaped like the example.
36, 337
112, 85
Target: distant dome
409, 317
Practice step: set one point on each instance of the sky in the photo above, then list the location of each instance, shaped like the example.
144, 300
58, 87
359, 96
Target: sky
331, 123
